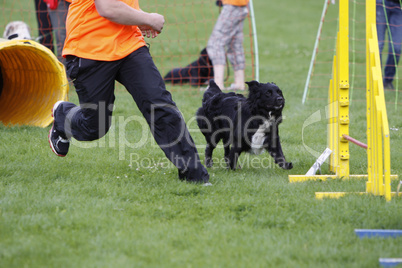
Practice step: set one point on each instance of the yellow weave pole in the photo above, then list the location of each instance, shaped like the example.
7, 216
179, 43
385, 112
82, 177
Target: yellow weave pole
370, 18
343, 91
32, 81
378, 136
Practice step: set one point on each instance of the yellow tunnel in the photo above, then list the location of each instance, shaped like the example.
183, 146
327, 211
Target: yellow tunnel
31, 81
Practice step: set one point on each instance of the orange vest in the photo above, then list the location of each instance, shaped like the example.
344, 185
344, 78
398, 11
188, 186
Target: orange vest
235, 2
93, 37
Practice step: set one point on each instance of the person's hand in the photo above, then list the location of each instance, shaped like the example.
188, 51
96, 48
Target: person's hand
156, 22
148, 31
154, 27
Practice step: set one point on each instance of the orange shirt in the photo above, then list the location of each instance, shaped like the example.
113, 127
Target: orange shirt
235, 2
93, 37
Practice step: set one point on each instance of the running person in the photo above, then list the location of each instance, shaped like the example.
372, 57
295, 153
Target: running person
105, 44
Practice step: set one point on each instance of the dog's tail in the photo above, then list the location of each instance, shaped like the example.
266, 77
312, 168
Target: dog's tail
211, 91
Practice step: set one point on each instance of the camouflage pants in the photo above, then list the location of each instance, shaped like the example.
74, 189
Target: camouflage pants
227, 36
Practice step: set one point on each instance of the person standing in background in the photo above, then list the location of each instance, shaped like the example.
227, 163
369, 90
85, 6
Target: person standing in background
51, 16
45, 30
58, 10
227, 38
389, 21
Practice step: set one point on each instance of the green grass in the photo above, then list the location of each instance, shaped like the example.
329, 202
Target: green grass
102, 206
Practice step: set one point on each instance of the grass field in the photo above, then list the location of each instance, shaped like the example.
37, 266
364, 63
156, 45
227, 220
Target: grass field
112, 203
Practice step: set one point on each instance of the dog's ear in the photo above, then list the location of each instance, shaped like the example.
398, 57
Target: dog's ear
253, 85
212, 83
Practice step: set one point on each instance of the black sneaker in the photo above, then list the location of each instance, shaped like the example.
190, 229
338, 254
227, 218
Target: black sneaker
57, 140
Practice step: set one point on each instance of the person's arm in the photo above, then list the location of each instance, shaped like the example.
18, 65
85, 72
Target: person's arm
119, 12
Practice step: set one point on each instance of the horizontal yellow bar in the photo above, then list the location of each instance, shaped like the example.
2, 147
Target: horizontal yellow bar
303, 178
321, 195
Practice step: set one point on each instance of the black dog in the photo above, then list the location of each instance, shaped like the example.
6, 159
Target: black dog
196, 73
243, 124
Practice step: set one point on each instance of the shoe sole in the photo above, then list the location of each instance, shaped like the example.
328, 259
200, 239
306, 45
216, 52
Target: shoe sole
50, 132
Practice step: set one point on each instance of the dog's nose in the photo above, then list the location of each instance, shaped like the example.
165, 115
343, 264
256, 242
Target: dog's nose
279, 100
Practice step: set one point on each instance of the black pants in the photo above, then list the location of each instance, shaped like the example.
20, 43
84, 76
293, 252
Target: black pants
94, 82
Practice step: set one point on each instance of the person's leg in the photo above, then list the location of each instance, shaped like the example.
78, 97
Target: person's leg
235, 52
219, 73
381, 24
44, 25
142, 79
239, 82
217, 43
395, 38
58, 18
94, 83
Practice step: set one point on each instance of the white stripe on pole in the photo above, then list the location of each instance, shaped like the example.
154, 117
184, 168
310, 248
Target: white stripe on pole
254, 29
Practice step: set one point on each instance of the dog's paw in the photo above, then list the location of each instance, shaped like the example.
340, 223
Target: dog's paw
230, 166
208, 162
286, 165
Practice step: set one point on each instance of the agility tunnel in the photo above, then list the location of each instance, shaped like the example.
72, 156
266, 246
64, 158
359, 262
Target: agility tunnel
32, 79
